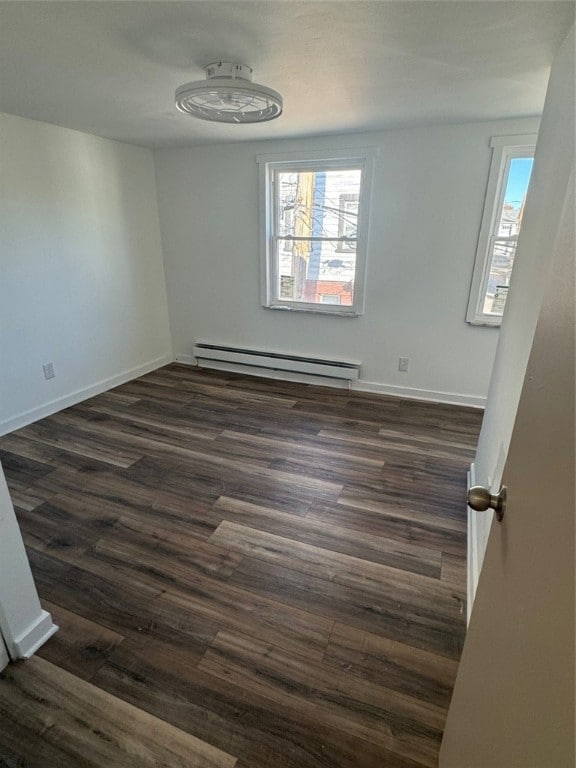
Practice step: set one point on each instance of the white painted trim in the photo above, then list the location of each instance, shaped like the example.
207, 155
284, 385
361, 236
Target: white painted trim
407, 393
4, 658
24, 626
504, 148
518, 140
34, 414
413, 393
473, 554
268, 166
318, 155
186, 360
29, 641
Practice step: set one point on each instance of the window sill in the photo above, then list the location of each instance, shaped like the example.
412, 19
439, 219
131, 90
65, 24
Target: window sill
485, 323
312, 310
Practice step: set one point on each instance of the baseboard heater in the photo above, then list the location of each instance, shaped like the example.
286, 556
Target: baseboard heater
276, 361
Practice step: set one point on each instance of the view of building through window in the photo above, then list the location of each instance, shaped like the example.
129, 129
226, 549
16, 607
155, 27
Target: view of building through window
316, 235
507, 227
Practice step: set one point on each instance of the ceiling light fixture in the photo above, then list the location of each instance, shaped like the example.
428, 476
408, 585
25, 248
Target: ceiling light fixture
228, 95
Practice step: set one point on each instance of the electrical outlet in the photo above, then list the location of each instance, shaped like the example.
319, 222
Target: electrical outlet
49, 372
403, 364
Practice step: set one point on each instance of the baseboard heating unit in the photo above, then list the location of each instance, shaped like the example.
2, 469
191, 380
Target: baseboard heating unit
275, 361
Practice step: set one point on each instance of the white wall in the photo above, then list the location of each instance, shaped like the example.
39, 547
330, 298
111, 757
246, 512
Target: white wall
81, 273
427, 205
553, 162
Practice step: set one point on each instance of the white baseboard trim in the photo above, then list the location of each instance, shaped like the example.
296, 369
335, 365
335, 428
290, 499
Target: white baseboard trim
26, 644
413, 393
185, 360
34, 414
472, 559
407, 393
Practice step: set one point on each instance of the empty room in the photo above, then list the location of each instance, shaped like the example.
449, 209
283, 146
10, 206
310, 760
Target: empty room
287, 384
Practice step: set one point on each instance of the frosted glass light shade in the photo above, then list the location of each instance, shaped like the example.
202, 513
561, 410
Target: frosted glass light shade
228, 96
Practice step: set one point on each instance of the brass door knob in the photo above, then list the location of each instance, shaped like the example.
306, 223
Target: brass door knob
481, 499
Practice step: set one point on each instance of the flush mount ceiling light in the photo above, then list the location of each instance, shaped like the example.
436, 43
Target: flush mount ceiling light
228, 95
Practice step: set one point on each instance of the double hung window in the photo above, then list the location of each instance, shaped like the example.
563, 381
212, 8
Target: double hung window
314, 231
510, 171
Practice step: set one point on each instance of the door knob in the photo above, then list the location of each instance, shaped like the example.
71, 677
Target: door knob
481, 499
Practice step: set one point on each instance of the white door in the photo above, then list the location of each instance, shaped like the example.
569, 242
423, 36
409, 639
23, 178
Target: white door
513, 704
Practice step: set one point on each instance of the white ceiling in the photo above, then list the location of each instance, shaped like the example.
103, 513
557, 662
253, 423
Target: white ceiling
111, 68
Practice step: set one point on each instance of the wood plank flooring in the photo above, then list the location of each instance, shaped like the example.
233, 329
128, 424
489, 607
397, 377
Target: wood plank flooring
245, 572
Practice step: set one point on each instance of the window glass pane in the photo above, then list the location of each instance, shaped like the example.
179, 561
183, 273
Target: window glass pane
320, 208
502, 259
503, 245
510, 217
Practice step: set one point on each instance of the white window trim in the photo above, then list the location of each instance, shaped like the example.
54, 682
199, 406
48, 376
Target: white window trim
504, 149
360, 157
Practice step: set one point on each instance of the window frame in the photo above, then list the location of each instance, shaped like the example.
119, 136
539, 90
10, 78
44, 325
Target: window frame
269, 165
504, 150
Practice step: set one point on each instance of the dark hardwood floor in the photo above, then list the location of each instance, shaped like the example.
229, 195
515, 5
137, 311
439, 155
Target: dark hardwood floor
245, 572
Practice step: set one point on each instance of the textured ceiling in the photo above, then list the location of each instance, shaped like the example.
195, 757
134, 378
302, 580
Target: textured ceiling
111, 68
